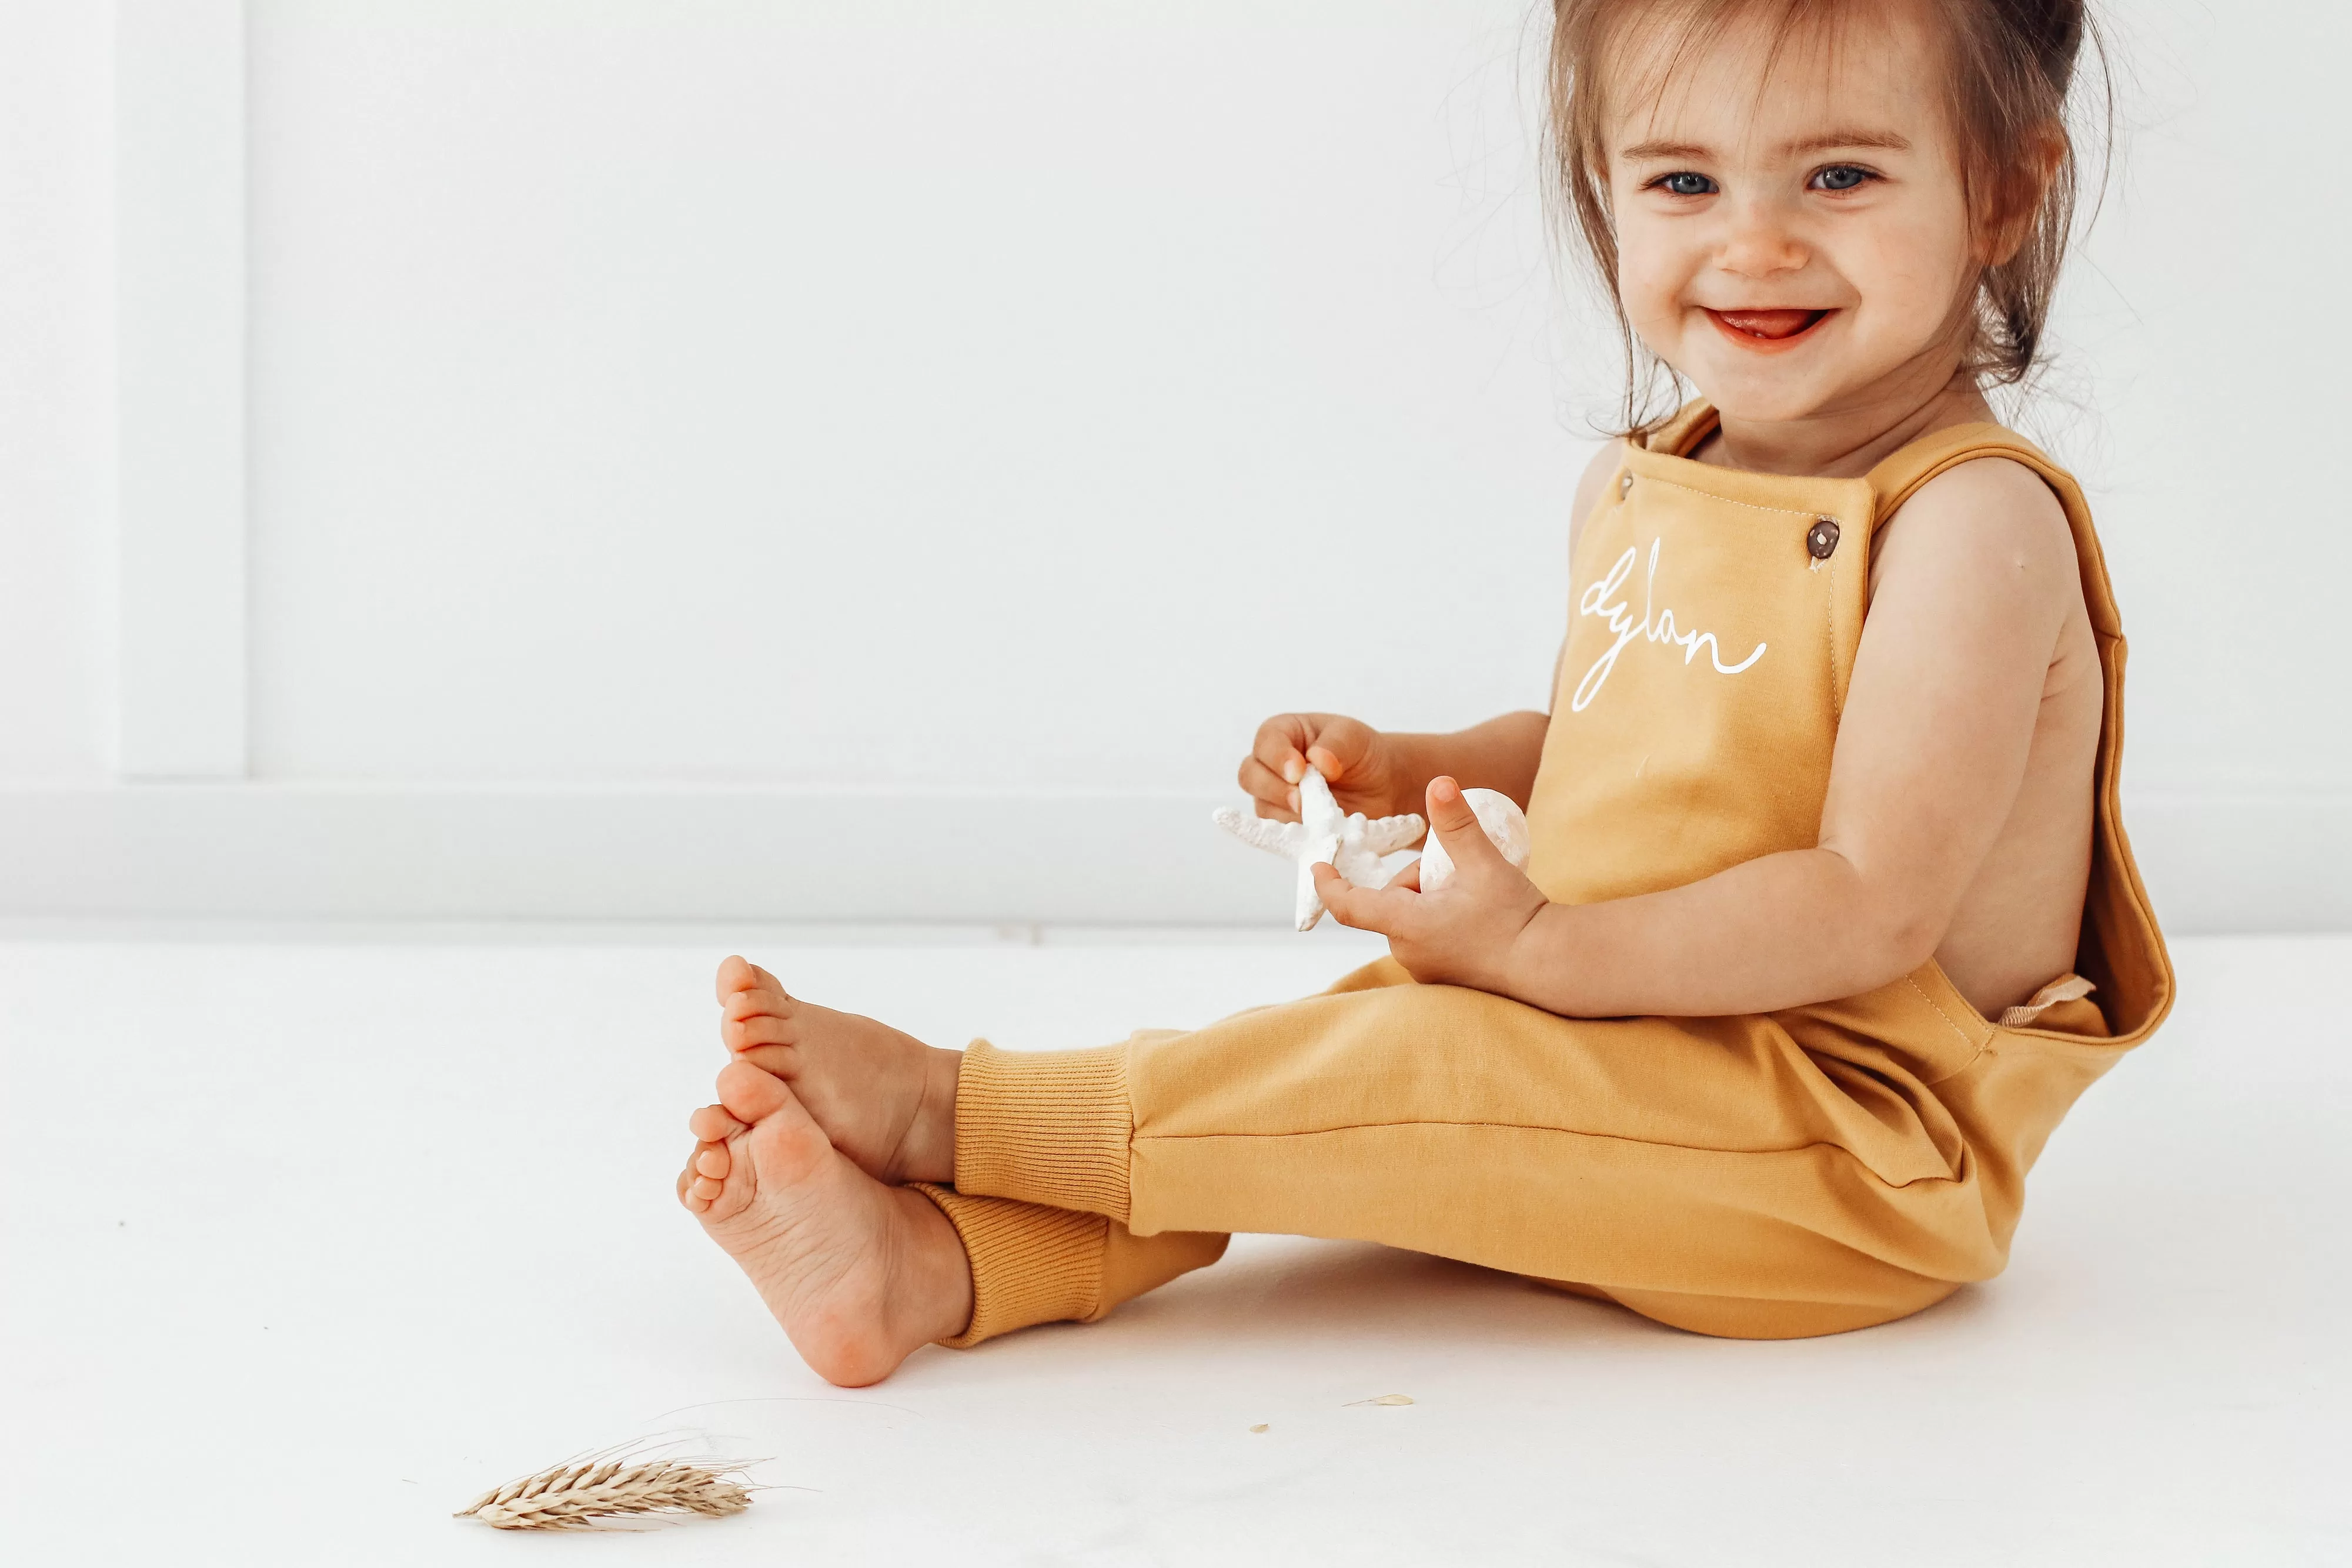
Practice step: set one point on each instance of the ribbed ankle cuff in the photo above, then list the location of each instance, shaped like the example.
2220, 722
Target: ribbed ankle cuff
1030, 1264
1033, 1264
1050, 1127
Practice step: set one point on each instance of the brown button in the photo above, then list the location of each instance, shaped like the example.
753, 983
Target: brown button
1823, 540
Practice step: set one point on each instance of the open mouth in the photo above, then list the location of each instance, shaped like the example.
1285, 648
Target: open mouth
1766, 329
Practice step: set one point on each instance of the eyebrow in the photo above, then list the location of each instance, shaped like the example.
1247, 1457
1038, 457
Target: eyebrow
1843, 136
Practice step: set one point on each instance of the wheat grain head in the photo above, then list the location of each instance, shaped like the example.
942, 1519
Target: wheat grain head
576, 1494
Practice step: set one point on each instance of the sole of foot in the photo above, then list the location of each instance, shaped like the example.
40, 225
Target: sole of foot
859, 1274
885, 1098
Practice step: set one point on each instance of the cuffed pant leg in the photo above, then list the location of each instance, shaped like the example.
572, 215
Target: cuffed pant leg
1055, 1128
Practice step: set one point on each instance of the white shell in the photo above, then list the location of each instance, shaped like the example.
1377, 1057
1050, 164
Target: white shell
1368, 851
1505, 825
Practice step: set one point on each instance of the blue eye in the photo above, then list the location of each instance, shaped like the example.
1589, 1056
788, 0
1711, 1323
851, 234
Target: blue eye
1687, 184
1841, 177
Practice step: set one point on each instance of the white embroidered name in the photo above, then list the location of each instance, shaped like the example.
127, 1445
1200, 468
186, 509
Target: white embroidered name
1657, 626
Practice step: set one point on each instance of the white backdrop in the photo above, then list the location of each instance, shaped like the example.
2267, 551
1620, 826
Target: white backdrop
678, 436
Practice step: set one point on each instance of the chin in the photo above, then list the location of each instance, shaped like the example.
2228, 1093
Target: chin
1763, 398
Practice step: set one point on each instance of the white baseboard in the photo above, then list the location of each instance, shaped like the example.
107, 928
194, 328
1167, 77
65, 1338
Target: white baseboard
258, 852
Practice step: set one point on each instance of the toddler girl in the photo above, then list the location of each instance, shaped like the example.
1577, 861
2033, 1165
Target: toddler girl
1830, 916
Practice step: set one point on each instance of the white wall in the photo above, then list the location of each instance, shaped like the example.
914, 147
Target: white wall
876, 397
56, 353
2198, 334
680, 432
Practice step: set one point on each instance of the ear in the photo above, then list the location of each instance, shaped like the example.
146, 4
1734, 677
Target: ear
2013, 204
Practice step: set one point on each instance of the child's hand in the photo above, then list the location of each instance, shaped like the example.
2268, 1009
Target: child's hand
1357, 761
1462, 934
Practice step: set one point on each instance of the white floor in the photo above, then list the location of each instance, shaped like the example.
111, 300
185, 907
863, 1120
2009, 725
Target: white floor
306, 1243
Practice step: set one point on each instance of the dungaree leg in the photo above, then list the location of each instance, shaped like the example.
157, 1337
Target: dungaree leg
1710, 1173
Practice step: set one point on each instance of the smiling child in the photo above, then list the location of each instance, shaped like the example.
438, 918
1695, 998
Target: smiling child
1830, 916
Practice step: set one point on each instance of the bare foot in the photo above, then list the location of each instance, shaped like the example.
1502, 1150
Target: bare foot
861, 1275
885, 1098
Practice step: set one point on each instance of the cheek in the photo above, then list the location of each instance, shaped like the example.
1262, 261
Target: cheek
1917, 267
1650, 271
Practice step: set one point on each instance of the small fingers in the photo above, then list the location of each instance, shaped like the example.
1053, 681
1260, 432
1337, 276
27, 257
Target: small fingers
1448, 810
1452, 820
1340, 743
1281, 746
1365, 909
1274, 798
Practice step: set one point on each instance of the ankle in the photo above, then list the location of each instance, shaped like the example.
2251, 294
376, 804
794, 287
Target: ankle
938, 1297
927, 1152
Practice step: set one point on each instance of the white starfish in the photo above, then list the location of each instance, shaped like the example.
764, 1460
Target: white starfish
1367, 850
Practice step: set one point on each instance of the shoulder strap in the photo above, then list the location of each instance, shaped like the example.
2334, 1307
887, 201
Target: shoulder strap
1899, 476
1681, 430
2121, 950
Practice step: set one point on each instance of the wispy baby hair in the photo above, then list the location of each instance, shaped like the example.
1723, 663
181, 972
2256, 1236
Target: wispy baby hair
2011, 78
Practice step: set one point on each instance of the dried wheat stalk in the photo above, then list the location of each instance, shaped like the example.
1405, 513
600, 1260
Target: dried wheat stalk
575, 1495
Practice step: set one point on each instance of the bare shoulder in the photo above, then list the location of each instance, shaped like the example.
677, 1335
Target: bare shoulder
1987, 524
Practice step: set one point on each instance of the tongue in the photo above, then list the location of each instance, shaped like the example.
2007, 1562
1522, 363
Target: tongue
1769, 323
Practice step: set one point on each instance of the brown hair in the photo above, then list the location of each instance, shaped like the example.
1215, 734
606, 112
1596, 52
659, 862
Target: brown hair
2012, 73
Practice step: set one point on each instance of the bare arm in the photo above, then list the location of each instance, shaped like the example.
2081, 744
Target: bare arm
1500, 754
1972, 589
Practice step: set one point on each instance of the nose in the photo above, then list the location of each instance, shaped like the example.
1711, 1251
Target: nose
1758, 243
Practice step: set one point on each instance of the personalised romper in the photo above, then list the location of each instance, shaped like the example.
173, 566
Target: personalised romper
1770, 1176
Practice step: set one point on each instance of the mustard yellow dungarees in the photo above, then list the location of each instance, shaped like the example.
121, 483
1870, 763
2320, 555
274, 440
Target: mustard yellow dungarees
1803, 1172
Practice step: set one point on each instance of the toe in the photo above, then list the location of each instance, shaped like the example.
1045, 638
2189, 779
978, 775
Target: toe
743, 1033
712, 1124
780, 1060
736, 973
713, 1160
769, 982
759, 1002
749, 1095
